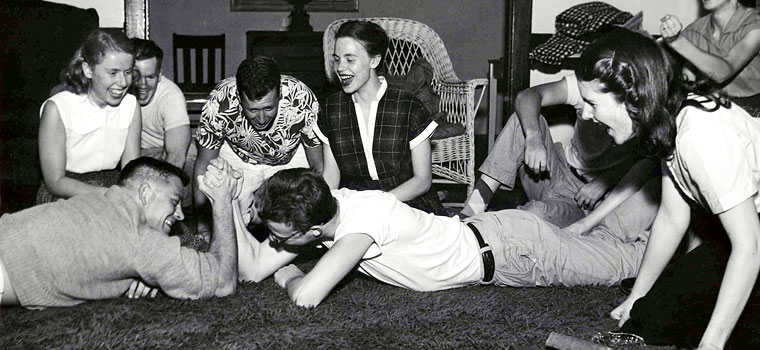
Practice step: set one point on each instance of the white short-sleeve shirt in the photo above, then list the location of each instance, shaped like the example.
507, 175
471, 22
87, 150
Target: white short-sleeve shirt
717, 156
166, 110
95, 136
411, 249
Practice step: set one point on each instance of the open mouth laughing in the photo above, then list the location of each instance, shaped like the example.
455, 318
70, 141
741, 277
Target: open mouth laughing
143, 92
117, 93
168, 223
345, 79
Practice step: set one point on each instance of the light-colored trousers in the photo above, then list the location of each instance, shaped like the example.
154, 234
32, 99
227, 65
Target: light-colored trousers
529, 251
551, 197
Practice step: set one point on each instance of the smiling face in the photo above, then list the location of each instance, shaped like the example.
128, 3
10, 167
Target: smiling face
353, 64
261, 113
163, 205
110, 78
148, 75
604, 108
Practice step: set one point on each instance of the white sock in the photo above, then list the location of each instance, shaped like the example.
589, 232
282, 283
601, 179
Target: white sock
475, 204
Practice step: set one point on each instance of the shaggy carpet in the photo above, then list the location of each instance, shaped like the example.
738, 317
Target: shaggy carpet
360, 314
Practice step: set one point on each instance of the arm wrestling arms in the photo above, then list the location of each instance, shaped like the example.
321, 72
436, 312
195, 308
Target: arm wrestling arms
256, 260
633, 180
221, 184
200, 201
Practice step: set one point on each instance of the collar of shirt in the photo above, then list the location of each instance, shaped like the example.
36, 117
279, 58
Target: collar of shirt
367, 127
380, 91
94, 106
737, 20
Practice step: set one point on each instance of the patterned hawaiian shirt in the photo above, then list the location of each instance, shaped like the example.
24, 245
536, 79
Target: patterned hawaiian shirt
222, 120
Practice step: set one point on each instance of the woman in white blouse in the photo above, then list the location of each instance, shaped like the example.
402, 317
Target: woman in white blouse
711, 155
94, 125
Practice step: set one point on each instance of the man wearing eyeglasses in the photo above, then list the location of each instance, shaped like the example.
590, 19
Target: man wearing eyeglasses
409, 248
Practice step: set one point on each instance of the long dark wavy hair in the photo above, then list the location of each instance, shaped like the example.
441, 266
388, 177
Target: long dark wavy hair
650, 83
98, 43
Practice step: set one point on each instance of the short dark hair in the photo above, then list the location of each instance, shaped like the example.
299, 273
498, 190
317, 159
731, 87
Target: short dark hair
643, 76
257, 76
299, 197
151, 169
147, 49
371, 35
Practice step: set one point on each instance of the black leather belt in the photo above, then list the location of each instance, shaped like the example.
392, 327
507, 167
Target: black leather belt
486, 253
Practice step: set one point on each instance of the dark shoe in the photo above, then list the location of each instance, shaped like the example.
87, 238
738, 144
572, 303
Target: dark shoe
626, 285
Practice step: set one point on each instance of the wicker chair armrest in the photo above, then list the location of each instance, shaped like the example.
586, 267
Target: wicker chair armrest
458, 100
477, 82
469, 84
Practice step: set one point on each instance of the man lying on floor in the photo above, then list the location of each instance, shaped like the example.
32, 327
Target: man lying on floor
409, 248
113, 242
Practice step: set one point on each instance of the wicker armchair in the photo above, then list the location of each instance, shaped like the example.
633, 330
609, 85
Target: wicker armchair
453, 157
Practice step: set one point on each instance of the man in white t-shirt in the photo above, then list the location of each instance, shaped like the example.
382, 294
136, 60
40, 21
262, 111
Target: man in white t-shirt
165, 123
405, 247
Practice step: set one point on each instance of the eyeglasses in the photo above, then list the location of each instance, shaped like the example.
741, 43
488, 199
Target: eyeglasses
281, 240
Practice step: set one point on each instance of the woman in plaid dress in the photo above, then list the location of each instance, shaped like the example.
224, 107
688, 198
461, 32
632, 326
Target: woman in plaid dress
375, 137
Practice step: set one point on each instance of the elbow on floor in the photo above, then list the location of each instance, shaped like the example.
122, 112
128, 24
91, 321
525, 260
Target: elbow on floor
226, 290
305, 300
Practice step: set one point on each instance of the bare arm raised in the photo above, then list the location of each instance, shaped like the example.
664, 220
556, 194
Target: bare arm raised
719, 68
221, 184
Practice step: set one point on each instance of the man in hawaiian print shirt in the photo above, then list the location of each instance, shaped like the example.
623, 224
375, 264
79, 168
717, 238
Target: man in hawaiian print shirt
260, 122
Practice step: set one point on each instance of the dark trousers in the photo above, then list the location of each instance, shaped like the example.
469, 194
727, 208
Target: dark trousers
677, 309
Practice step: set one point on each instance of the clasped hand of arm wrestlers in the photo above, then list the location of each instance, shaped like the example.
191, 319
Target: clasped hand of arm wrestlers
220, 182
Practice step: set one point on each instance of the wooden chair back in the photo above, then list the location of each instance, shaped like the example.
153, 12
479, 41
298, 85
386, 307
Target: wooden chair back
197, 55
